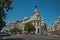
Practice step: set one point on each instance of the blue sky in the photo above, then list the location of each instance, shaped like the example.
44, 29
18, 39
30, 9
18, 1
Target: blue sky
49, 9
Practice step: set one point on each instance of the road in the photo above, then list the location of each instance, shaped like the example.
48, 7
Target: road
31, 37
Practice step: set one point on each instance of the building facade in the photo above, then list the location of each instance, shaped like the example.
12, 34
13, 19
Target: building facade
56, 25
35, 19
55, 29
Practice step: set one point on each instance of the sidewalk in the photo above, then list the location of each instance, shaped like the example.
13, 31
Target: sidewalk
54, 35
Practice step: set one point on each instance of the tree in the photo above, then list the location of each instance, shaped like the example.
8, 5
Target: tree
15, 29
5, 6
7, 31
29, 27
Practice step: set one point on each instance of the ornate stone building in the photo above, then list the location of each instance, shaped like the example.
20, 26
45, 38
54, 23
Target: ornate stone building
56, 25
35, 19
55, 29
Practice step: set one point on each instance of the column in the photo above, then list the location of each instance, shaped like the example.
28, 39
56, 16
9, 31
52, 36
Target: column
36, 31
39, 27
23, 26
42, 29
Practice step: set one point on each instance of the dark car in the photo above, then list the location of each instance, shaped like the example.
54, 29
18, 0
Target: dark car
5, 34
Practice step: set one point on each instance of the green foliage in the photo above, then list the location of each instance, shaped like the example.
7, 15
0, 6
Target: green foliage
7, 31
16, 30
5, 5
29, 27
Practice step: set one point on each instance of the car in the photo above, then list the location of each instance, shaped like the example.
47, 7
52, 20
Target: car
5, 34
26, 32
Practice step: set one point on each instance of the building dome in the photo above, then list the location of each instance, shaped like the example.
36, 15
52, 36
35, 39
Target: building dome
58, 18
42, 19
36, 11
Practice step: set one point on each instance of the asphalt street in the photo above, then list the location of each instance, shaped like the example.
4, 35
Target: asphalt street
31, 37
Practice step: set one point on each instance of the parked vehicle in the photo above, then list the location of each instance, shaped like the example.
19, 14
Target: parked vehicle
5, 33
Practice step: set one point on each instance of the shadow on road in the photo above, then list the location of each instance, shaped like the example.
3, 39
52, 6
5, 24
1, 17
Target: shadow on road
14, 39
